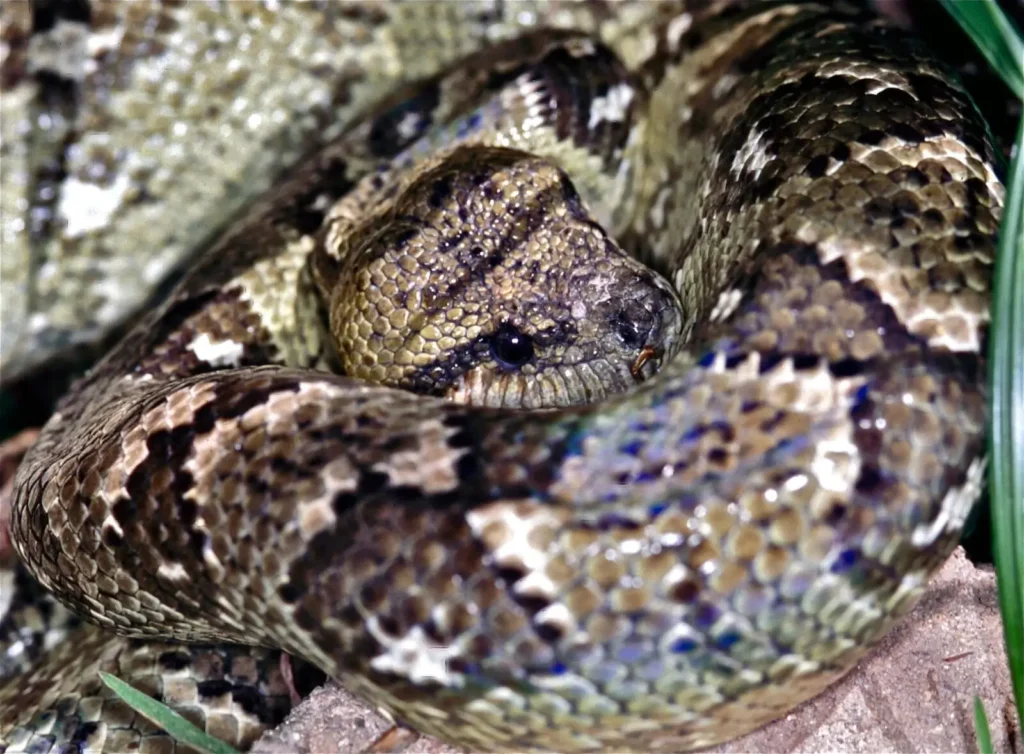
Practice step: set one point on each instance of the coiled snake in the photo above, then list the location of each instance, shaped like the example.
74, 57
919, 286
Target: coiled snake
662, 570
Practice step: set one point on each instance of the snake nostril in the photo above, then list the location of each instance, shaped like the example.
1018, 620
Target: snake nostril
633, 327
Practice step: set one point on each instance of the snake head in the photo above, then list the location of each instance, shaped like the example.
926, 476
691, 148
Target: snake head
486, 281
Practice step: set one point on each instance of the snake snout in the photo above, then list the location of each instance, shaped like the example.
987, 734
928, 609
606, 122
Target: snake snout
639, 329
649, 326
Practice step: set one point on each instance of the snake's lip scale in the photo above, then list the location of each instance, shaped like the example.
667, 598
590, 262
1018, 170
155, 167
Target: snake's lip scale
554, 388
662, 571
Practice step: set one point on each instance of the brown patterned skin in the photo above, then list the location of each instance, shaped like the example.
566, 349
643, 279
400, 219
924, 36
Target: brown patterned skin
233, 693
666, 569
93, 171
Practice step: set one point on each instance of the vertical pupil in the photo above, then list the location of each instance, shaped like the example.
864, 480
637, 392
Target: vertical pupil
510, 347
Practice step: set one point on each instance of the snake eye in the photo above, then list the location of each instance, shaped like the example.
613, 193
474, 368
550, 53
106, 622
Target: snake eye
510, 347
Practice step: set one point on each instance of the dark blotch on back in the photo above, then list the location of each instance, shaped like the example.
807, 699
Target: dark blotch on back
180, 311
46, 13
387, 138
167, 452
304, 209
175, 660
817, 166
440, 191
81, 737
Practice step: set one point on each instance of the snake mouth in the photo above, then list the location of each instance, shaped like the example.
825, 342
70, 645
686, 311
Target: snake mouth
646, 363
567, 385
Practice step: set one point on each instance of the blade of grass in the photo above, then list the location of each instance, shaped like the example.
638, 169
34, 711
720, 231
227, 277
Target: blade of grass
1006, 432
175, 725
981, 725
996, 37
1001, 43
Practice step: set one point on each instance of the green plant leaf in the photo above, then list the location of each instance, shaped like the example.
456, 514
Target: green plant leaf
981, 726
996, 37
1001, 43
1006, 432
167, 719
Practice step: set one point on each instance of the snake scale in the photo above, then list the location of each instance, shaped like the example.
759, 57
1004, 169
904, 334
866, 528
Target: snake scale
665, 569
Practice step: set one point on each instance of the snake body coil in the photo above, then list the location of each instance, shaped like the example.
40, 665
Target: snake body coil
666, 569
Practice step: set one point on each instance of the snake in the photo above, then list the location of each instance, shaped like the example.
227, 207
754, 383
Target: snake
665, 568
